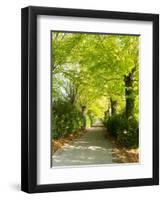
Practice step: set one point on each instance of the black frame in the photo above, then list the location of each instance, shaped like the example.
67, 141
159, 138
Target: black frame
29, 99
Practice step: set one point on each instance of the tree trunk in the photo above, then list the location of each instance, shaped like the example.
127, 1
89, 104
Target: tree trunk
113, 106
129, 93
72, 93
83, 108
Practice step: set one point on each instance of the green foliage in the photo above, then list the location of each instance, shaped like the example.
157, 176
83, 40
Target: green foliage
66, 119
113, 124
125, 130
128, 135
88, 70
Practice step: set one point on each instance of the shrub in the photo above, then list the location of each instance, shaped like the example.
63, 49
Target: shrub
66, 118
125, 130
129, 135
112, 124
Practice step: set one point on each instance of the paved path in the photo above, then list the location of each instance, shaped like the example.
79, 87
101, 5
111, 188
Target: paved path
91, 148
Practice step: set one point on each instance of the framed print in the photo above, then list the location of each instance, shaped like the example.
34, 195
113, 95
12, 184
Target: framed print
90, 99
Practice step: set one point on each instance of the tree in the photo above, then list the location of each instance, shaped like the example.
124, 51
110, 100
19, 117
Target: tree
97, 72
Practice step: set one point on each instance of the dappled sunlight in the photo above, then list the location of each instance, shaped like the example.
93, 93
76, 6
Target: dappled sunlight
94, 148
91, 148
95, 85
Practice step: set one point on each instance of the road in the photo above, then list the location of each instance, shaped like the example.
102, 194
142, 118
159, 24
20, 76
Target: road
92, 148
